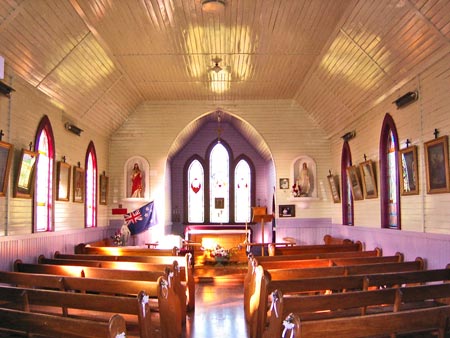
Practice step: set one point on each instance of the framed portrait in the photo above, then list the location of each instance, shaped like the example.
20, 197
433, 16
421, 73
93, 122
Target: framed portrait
334, 188
25, 174
6, 155
63, 181
354, 181
284, 183
286, 210
408, 171
368, 179
104, 180
436, 164
78, 185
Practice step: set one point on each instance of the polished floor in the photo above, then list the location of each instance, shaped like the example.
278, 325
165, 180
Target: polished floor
219, 307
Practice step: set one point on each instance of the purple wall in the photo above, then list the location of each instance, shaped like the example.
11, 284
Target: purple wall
198, 145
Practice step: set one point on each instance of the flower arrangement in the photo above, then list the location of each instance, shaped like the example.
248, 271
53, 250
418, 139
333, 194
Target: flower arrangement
117, 238
220, 254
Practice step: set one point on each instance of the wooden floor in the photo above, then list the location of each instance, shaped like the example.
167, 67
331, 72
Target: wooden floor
219, 307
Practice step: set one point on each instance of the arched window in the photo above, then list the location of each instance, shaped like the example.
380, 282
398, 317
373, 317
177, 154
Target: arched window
91, 187
347, 197
43, 217
389, 180
242, 192
222, 191
196, 192
219, 188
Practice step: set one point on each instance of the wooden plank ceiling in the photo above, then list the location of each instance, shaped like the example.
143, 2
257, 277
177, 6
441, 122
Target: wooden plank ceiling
99, 59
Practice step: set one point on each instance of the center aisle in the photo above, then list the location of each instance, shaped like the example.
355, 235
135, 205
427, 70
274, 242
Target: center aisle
219, 311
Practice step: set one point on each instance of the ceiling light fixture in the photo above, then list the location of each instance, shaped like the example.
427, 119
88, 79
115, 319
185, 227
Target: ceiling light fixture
216, 67
213, 6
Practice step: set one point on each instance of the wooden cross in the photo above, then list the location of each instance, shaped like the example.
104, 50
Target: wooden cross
79, 164
30, 145
329, 171
407, 142
1, 134
64, 159
436, 133
365, 158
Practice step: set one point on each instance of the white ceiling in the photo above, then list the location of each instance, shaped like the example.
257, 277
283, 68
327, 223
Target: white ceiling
99, 59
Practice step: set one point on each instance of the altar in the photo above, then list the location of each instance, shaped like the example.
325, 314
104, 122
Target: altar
208, 237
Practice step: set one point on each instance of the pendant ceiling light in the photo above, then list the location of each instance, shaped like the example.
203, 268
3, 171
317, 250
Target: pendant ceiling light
213, 5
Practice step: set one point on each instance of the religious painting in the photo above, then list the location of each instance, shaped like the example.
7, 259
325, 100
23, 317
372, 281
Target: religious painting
368, 179
78, 185
219, 203
408, 170
354, 181
136, 176
286, 210
436, 164
6, 154
334, 188
104, 180
63, 181
25, 174
284, 183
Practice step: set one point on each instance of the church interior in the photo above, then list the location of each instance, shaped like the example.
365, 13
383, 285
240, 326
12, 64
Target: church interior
233, 130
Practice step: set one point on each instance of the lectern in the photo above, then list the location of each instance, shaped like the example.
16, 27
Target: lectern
260, 215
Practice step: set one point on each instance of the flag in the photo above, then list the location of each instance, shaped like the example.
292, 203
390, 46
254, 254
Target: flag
140, 219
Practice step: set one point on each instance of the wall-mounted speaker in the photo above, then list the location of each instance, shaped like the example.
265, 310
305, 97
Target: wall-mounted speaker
5, 89
406, 99
72, 128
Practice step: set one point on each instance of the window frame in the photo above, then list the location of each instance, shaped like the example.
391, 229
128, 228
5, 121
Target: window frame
45, 125
387, 127
91, 196
346, 161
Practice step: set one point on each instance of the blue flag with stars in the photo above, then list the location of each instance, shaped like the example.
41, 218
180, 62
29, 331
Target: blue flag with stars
140, 219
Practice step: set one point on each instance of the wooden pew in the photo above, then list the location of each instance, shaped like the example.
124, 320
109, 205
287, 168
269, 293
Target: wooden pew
116, 287
124, 250
29, 323
104, 273
316, 248
259, 284
184, 262
184, 283
328, 239
383, 324
92, 306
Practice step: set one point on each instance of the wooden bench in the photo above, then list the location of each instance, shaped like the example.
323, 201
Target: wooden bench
383, 324
124, 250
184, 275
116, 287
328, 239
112, 274
94, 307
258, 284
351, 304
317, 248
29, 323
184, 262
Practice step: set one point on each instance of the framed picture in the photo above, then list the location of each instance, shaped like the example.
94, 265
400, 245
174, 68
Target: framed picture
6, 155
63, 181
436, 164
408, 171
78, 184
286, 210
334, 188
219, 203
368, 179
284, 183
25, 174
354, 181
104, 189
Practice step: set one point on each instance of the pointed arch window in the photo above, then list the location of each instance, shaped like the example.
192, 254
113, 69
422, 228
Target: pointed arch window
242, 192
389, 180
43, 212
219, 189
91, 187
196, 192
347, 196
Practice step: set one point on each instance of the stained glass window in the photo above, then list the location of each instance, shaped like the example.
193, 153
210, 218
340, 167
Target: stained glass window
242, 192
91, 187
219, 184
196, 193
